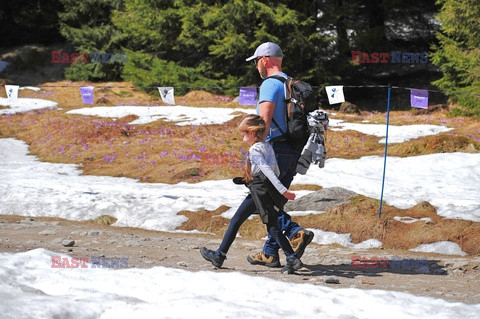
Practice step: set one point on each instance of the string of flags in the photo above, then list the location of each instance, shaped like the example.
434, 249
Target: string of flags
418, 98
247, 95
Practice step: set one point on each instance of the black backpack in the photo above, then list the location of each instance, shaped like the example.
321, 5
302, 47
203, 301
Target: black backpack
300, 100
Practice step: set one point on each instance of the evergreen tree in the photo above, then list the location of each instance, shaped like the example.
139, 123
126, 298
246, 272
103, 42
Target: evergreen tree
458, 54
202, 40
87, 26
28, 22
151, 29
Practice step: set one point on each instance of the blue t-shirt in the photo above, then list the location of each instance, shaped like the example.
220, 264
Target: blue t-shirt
273, 90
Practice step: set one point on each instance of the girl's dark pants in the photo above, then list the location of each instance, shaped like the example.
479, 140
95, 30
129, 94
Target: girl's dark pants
287, 158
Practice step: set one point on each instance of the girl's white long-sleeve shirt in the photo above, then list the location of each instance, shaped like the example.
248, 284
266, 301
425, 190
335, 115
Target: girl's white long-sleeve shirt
262, 158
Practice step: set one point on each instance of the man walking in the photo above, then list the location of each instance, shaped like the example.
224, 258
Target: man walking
272, 108
268, 59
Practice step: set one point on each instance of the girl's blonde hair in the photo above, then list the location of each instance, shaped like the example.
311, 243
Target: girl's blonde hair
252, 123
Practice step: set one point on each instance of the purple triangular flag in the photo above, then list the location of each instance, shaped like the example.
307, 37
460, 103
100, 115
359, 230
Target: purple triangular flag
87, 94
419, 98
248, 96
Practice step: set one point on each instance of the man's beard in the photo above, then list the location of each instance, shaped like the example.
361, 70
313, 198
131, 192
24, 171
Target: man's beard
263, 74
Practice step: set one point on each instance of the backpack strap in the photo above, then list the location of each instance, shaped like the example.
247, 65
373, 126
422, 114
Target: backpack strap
286, 99
281, 79
276, 124
278, 77
288, 91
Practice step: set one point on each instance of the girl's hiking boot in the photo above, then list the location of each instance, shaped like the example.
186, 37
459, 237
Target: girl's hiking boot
264, 260
293, 264
215, 257
300, 241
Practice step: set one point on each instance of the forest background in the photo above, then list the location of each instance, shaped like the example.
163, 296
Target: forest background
194, 45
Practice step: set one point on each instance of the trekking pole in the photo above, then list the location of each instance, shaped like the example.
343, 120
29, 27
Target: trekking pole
385, 152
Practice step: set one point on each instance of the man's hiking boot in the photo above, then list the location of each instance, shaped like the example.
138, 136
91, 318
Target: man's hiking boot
300, 241
215, 257
264, 260
293, 264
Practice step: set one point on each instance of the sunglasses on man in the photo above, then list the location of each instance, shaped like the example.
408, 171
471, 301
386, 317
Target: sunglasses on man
255, 61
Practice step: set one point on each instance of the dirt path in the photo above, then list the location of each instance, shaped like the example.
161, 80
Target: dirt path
448, 277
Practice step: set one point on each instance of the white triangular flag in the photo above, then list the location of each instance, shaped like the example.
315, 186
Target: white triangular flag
166, 93
335, 94
12, 91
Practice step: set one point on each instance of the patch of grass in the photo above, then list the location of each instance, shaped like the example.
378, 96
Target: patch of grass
212, 222
105, 220
305, 187
155, 152
465, 136
442, 143
205, 220
361, 199
203, 98
194, 172
351, 144
359, 218
123, 93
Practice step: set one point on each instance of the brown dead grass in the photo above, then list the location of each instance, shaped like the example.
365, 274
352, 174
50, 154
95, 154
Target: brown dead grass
211, 222
359, 219
202, 98
442, 143
105, 220
465, 136
306, 187
157, 152
353, 144
163, 152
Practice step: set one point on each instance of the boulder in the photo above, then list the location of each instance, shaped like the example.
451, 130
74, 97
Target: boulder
321, 200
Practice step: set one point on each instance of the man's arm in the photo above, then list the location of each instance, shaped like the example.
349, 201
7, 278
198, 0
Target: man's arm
265, 110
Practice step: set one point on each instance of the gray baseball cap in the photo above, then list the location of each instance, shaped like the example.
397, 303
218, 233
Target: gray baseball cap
267, 49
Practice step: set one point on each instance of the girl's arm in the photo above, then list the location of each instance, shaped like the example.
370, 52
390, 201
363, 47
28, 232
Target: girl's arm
258, 160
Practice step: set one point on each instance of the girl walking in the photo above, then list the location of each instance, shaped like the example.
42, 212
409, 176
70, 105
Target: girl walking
268, 193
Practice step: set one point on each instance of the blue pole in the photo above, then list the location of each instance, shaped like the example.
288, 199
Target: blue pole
385, 153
